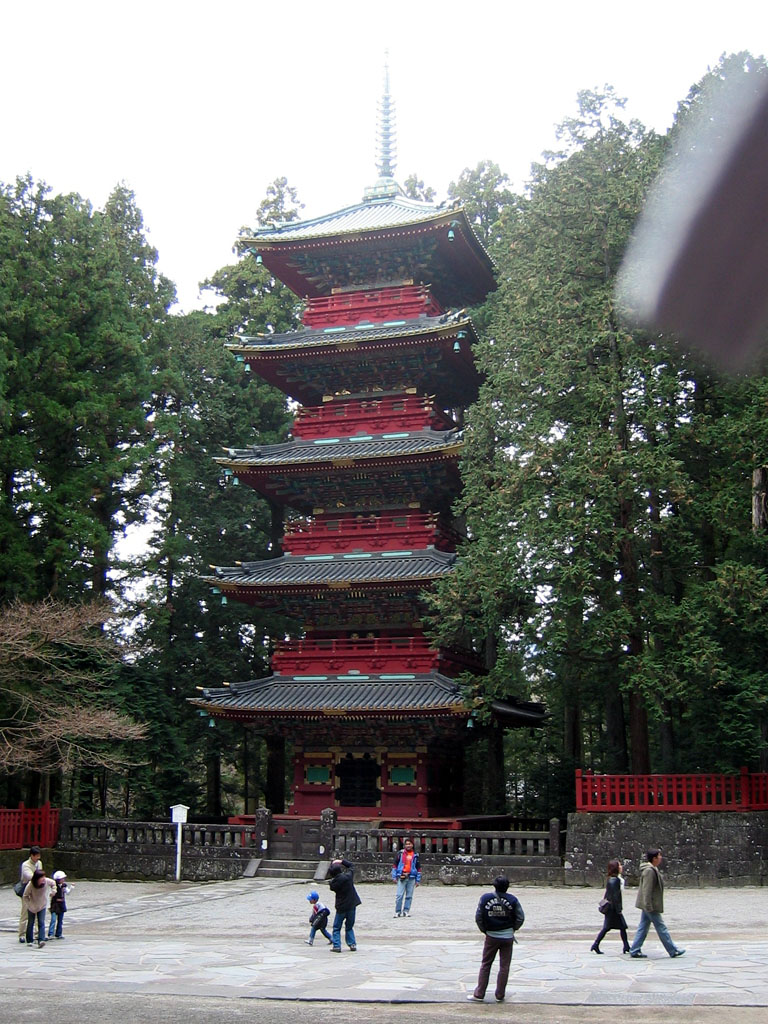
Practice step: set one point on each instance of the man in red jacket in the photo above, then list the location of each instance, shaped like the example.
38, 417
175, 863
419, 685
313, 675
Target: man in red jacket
407, 873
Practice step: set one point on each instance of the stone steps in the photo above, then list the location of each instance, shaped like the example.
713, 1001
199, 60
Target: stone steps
300, 869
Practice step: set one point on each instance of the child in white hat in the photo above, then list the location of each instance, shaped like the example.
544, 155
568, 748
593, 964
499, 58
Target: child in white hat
58, 904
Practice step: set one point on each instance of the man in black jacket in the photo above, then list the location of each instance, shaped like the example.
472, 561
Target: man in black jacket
498, 916
342, 883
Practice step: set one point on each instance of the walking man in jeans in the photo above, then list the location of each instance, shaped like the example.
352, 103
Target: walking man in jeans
342, 883
650, 902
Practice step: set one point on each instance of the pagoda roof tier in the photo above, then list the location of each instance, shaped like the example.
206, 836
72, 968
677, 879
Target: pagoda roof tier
390, 696
352, 697
316, 574
407, 466
379, 243
429, 354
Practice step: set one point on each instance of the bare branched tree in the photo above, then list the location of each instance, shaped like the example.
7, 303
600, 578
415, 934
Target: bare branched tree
55, 663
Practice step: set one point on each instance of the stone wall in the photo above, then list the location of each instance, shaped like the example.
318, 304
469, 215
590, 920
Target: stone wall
125, 849
137, 862
464, 869
708, 848
11, 860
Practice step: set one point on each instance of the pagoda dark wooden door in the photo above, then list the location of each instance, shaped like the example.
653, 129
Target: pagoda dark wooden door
358, 782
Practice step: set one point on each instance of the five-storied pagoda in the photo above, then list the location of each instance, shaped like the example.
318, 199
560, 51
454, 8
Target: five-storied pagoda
382, 369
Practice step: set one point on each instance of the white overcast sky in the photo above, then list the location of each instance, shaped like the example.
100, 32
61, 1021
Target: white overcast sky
198, 106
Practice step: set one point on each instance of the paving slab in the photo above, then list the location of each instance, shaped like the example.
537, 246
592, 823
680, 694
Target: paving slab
245, 940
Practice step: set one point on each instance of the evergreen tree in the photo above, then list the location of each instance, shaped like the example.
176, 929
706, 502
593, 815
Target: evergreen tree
414, 188
204, 401
484, 195
81, 300
251, 300
186, 637
607, 478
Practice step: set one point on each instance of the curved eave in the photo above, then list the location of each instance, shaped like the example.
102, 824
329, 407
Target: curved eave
363, 337
328, 455
362, 570
348, 714
334, 697
464, 253
359, 220
524, 713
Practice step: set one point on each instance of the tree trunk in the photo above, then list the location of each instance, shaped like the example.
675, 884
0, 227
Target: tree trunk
760, 499
571, 669
616, 759
572, 748
85, 794
213, 781
103, 787
763, 762
495, 797
638, 734
667, 755
627, 562
666, 732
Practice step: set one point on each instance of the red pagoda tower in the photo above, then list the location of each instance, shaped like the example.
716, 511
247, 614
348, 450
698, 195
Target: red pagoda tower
383, 370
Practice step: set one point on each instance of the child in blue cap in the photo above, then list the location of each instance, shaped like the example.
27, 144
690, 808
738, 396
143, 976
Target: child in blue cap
318, 919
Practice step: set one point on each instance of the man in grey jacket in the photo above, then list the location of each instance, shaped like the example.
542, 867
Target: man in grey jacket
650, 902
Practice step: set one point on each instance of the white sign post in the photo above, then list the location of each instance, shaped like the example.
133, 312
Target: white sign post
179, 815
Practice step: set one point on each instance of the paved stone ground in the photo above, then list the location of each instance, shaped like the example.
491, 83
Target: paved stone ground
245, 939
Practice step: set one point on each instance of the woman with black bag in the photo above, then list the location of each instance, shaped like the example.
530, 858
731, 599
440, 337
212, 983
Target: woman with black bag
611, 905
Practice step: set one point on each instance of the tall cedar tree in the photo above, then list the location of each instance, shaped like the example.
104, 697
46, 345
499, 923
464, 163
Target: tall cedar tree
607, 490
80, 301
204, 401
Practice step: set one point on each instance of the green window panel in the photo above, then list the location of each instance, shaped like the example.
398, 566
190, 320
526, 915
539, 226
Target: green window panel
402, 775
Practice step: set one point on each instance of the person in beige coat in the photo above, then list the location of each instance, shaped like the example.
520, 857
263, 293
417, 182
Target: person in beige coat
35, 899
650, 902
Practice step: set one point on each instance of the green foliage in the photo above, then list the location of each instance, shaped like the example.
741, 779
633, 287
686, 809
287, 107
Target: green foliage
484, 195
414, 188
280, 205
251, 300
185, 637
735, 68
111, 414
203, 401
80, 300
611, 567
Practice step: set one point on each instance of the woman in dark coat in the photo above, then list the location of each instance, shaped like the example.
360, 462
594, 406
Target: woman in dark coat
613, 916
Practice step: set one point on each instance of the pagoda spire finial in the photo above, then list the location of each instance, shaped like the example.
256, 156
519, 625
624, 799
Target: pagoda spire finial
386, 128
386, 144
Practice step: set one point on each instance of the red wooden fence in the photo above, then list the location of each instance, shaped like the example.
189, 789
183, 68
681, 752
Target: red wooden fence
701, 792
28, 826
